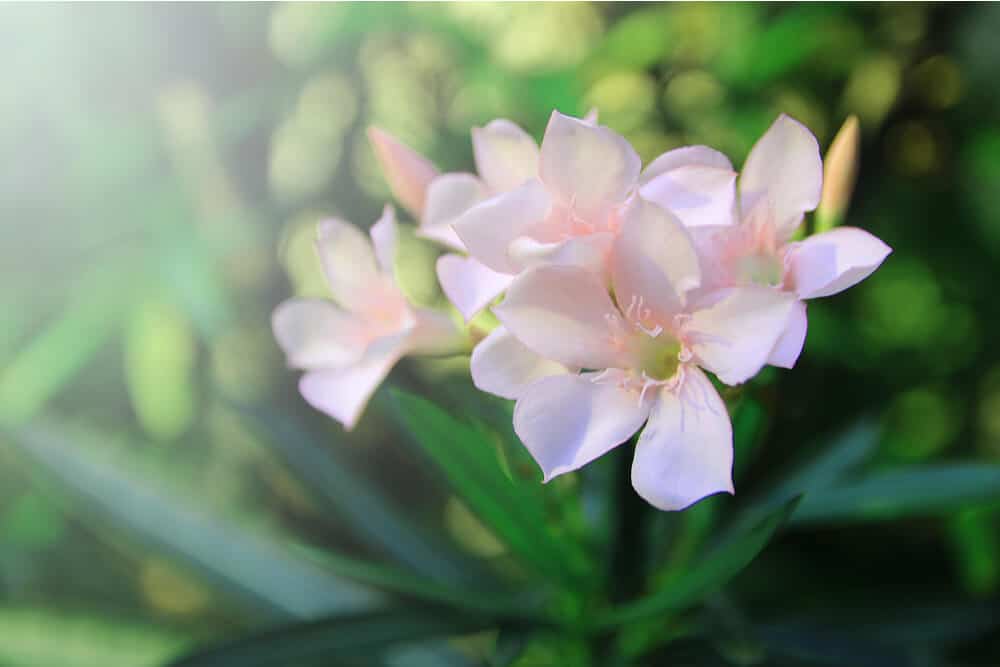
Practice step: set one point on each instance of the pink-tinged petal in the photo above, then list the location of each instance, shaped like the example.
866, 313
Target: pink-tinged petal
563, 313
688, 156
348, 261
567, 421
788, 348
448, 197
831, 262
344, 392
434, 333
506, 155
408, 173
589, 252
654, 260
468, 284
686, 450
587, 168
733, 332
712, 243
503, 366
697, 195
488, 228
591, 117
314, 333
784, 166
385, 237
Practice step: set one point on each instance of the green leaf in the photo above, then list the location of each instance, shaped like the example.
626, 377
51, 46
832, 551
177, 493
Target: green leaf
247, 566
345, 639
495, 604
713, 571
85, 639
467, 458
906, 492
322, 468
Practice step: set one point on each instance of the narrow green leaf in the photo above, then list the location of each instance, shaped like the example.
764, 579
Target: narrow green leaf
896, 494
467, 458
717, 568
247, 566
345, 639
370, 516
495, 604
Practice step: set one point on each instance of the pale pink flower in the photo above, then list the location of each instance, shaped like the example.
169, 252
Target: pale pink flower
781, 181
616, 360
348, 347
505, 157
570, 211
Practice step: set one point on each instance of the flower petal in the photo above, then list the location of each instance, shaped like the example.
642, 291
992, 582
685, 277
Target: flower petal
408, 173
488, 228
785, 166
697, 195
562, 313
385, 239
588, 168
589, 252
348, 261
448, 197
343, 393
469, 284
654, 259
314, 333
734, 330
503, 366
506, 155
687, 156
567, 421
686, 450
831, 262
788, 348
434, 333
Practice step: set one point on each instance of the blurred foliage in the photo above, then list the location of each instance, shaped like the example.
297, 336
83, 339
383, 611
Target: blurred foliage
164, 487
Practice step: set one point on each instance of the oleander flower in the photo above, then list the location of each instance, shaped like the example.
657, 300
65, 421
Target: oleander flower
588, 368
348, 346
570, 211
780, 182
505, 156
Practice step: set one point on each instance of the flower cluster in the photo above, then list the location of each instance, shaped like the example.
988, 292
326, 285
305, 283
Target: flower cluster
619, 288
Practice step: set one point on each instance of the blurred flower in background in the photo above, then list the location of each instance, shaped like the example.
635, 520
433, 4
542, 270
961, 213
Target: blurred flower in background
162, 473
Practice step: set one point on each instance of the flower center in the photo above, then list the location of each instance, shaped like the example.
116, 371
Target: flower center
659, 356
760, 269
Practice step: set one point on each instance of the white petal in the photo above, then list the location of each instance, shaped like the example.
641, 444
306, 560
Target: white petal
589, 252
788, 348
314, 333
506, 155
688, 156
503, 366
343, 393
448, 197
562, 313
348, 261
567, 421
686, 450
695, 194
468, 284
434, 333
831, 262
384, 237
407, 172
733, 333
654, 260
785, 166
488, 228
589, 168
